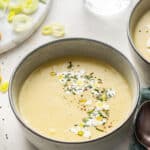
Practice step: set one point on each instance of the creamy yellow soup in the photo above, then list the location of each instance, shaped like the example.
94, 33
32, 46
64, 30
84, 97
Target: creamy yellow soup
74, 99
142, 35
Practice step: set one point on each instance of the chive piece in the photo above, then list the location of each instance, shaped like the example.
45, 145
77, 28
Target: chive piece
89, 86
90, 111
99, 80
96, 90
70, 65
98, 129
85, 120
91, 73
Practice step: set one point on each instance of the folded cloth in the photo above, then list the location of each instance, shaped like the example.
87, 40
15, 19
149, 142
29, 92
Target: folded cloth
134, 144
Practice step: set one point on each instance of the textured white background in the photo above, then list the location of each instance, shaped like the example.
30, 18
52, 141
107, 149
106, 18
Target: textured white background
78, 23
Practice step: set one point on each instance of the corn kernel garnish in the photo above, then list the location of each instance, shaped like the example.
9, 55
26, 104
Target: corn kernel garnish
47, 30
104, 97
52, 73
99, 118
81, 125
79, 82
99, 104
4, 87
82, 100
80, 133
60, 77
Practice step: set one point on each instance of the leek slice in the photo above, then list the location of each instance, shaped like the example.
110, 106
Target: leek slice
17, 8
4, 87
22, 23
11, 16
4, 4
47, 30
58, 30
14, 8
30, 6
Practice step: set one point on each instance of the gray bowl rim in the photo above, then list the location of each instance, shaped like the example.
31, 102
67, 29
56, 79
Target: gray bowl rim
65, 142
129, 34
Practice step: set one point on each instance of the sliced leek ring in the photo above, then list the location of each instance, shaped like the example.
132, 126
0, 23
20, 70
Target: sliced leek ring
58, 30
30, 6
17, 8
47, 30
4, 4
22, 23
58, 33
14, 9
11, 16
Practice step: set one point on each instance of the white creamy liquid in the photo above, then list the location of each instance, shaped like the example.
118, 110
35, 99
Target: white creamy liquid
107, 7
47, 106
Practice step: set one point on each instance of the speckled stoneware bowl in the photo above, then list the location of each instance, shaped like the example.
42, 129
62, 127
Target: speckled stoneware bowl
143, 65
78, 47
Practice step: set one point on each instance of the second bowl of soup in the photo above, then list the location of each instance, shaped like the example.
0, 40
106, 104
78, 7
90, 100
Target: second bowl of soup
139, 37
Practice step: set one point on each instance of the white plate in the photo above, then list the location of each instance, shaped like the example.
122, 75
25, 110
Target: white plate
11, 39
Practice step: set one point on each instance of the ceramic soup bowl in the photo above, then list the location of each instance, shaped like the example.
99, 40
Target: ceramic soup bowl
71, 47
143, 64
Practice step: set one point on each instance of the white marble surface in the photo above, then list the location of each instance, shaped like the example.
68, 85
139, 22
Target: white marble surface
78, 23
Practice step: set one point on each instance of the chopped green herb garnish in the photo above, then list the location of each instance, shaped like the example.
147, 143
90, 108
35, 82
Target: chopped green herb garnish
99, 80
103, 114
98, 129
85, 120
70, 65
96, 90
90, 111
88, 77
89, 86
81, 83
